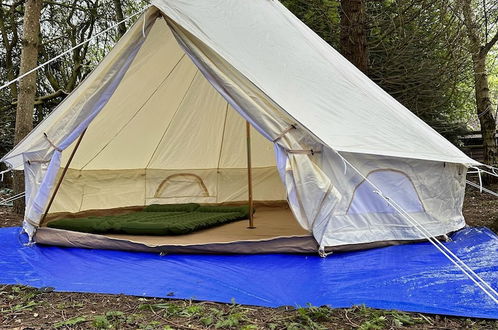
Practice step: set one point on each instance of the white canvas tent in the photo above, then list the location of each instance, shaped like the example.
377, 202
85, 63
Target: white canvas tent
163, 118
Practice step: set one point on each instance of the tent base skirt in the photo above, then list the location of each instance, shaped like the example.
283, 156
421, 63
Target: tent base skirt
292, 244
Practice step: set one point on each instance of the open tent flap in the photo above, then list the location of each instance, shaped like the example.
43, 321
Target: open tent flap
150, 143
165, 114
70, 118
47, 141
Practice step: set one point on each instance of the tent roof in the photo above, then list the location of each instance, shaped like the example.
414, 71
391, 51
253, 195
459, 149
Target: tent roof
301, 73
310, 80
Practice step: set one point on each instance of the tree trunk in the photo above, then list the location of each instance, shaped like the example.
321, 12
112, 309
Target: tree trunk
120, 17
479, 51
484, 109
27, 85
353, 37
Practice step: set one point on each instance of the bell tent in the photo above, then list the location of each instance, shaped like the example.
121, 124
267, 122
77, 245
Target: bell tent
336, 162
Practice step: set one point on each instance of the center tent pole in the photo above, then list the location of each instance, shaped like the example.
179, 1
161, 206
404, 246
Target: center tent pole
249, 176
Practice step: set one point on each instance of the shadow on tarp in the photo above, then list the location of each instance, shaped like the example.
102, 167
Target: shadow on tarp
414, 277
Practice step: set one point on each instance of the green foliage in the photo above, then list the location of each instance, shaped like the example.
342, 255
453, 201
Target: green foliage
231, 320
114, 315
72, 321
113, 319
414, 58
25, 298
101, 322
166, 314
311, 316
492, 64
27, 306
322, 16
234, 317
378, 319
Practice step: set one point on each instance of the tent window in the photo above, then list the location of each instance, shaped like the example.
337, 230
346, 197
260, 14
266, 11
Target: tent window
182, 185
394, 184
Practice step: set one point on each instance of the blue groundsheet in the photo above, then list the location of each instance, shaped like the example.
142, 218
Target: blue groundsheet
413, 277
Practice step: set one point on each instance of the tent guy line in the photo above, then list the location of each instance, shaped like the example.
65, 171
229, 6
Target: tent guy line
71, 49
481, 188
10, 199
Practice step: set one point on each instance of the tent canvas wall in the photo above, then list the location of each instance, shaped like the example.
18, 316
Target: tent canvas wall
163, 119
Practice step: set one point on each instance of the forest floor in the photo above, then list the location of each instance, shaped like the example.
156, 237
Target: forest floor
29, 308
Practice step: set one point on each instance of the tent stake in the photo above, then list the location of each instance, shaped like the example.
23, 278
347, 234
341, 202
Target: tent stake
62, 176
249, 176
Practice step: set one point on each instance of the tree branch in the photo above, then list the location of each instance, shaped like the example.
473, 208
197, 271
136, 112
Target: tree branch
45, 98
487, 47
65, 5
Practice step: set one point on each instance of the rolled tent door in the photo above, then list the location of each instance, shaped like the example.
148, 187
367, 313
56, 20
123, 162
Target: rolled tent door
69, 121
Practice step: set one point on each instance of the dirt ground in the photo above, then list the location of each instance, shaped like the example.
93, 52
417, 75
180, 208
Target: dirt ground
29, 308
9, 219
481, 209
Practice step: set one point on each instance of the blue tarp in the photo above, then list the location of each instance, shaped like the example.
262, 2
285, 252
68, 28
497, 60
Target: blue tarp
413, 277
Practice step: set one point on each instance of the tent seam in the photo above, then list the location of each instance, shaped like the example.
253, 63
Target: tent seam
172, 118
135, 114
221, 152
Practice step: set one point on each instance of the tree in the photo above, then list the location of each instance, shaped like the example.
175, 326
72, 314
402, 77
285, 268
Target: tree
322, 16
479, 46
353, 35
119, 17
9, 53
416, 55
64, 24
27, 85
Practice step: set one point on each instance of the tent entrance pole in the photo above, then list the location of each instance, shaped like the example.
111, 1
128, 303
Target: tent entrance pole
62, 176
249, 176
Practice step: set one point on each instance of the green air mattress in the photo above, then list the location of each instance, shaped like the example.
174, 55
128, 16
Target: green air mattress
174, 219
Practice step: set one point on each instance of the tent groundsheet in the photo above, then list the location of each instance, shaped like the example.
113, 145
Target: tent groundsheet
406, 277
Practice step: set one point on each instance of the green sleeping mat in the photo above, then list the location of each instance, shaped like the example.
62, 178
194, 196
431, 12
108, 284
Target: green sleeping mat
172, 219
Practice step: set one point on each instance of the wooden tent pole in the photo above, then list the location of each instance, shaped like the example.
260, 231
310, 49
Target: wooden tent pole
62, 176
249, 176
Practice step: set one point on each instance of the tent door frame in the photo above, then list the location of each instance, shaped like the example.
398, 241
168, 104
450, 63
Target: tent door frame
52, 198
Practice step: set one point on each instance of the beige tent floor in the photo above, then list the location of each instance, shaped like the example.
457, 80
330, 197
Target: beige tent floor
276, 231
270, 222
